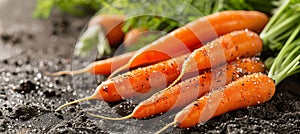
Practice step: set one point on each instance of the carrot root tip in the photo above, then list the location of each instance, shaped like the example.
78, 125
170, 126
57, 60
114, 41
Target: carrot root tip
110, 118
176, 80
73, 102
165, 127
57, 73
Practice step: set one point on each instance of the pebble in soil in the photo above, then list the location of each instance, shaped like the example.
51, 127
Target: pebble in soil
2, 94
79, 123
14, 38
25, 112
3, 124
124, 108
25, 87
60, 26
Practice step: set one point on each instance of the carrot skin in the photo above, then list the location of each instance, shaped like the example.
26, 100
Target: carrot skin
247, 91
243, 43
189, 90
112, 25
153, 56
211, 27
108, 65
138, 81
252, 20
133, 36
221, 23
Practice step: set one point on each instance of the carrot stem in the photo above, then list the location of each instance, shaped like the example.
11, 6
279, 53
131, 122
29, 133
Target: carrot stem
275, 17
286, 63
282, 27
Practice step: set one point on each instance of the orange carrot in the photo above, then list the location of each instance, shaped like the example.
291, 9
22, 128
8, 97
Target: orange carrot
106, 66
189, 90
199, 31
137, 81
247, 91
99, 67
133, 36
243, 43
112, 26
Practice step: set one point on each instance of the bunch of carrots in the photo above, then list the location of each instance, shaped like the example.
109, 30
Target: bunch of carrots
209, 67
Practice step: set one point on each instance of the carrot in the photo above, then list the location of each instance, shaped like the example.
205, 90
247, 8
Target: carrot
187, 91
247, 91
99, 67
108, 65
133, 36
199, 31
138, 81
243, 43
112, 26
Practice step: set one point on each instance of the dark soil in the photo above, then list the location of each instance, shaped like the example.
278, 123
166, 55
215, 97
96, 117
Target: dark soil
28, 98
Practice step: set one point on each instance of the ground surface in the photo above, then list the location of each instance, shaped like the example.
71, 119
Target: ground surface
28, 97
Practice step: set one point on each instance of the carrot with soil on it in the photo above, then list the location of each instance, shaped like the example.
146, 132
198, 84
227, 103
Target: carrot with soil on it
237, 44
189, 90
136, 81
247, 91
129, 84
189, 35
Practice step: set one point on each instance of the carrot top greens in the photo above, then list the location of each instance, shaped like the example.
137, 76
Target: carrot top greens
282, 34
168, 8
76, 7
